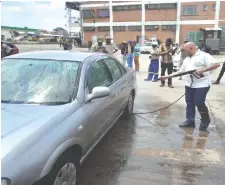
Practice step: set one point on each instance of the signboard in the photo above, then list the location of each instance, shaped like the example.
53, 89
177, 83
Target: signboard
73, 5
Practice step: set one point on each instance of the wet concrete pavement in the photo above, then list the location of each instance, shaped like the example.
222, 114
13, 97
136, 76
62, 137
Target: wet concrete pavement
152, 149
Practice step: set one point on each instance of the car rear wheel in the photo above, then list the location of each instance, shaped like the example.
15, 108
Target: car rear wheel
65, 171
129, 108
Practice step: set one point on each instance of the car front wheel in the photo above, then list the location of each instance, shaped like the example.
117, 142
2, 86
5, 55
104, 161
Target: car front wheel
65, 171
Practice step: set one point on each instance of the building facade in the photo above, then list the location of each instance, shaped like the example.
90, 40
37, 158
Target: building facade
129, 20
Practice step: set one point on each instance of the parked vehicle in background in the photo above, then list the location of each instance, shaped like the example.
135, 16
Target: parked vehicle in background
19, 38
63, 113
153, 40
146, 48
14, 49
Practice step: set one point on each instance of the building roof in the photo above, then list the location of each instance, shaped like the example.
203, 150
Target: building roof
53, 55
20, 28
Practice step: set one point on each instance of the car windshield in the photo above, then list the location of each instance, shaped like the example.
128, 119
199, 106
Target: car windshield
147, 44
34, 81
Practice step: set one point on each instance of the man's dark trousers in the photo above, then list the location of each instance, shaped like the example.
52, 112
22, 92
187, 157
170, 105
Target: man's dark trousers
196, 97
221, 73
169, 67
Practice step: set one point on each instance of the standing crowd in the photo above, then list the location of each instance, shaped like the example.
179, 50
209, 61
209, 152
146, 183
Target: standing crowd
130, 51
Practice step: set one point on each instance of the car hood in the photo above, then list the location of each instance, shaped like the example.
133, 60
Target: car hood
19, 121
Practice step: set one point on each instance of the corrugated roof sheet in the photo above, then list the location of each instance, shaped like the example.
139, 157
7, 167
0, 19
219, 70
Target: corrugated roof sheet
20, 28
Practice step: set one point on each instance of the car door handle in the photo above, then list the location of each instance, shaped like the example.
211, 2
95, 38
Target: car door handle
80, 127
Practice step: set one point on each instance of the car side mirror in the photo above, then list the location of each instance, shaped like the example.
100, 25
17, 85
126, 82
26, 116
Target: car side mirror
98, 92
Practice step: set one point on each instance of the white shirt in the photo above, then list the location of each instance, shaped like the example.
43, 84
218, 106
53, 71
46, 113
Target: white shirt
110, 48
199, 60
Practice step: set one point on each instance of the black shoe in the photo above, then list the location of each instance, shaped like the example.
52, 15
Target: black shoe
204, 124
147, 79
162, 85
171, 86
187, 124
216, 82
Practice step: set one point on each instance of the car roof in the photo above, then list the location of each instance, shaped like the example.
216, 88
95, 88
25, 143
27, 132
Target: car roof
53, 55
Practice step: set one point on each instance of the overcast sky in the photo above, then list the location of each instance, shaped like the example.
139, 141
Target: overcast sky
34, 14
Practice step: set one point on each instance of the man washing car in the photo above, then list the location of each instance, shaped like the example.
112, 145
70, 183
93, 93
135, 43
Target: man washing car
196, 89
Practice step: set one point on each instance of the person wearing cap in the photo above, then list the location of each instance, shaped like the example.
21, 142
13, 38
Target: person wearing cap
98, 46
136, 55
109, 46
130, 54
204, 47
153, 68
167, 62
89, 45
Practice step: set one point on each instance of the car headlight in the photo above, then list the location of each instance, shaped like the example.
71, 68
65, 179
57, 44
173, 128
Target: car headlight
5, 181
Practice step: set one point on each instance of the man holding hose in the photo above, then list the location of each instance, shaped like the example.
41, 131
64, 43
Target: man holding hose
196, 88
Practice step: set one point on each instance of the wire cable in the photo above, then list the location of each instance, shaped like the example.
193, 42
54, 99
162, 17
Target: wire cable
150, 112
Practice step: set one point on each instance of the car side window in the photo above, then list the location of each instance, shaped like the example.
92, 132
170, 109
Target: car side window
98, 76
113, 68
122, 69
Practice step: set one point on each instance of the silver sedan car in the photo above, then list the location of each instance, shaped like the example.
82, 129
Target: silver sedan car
56, 106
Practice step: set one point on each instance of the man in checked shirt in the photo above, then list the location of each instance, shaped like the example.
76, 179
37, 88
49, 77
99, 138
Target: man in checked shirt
167, 63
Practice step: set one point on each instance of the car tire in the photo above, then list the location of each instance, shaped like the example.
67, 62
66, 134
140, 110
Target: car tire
68, 163
129, 108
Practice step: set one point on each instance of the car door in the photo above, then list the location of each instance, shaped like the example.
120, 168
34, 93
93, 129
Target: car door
120, 84
99, 109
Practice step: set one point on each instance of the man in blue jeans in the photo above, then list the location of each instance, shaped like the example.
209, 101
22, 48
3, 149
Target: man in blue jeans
130, 54
196, 88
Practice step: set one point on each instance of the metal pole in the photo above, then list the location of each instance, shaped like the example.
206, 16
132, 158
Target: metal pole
81, 26
69, 21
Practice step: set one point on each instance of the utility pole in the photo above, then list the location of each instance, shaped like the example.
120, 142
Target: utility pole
81, 26
72, 6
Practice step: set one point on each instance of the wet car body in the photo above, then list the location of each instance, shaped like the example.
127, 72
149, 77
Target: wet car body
36, 138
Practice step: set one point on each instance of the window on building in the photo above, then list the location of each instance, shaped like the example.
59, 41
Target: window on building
103, 28
127, 7
169, 27
134, 28
88, 29
151, 27
88, 13
161, 6
205, 7
190, 10
119, 28
213, 6
103, 13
